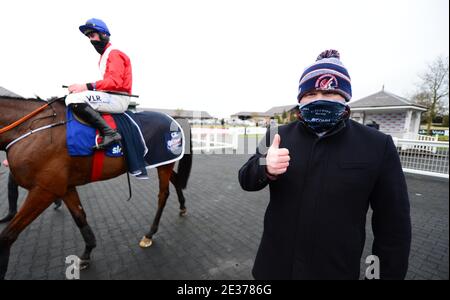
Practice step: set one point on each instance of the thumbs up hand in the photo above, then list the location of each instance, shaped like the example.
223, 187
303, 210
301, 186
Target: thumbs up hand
277, 159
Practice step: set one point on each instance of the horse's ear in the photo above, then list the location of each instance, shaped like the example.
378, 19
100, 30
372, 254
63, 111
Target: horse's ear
38, 98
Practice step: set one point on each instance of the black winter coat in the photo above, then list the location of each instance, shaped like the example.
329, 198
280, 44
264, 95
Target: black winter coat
314, 226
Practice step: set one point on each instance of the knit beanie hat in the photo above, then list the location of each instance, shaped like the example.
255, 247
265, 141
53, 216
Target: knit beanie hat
327, 73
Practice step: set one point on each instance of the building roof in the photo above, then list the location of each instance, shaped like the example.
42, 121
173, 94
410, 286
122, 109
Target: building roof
250, 114
383, 99
278, 110
8, 93
181, 113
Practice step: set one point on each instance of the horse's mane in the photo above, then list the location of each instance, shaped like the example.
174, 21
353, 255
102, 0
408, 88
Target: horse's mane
17, 98
37, 99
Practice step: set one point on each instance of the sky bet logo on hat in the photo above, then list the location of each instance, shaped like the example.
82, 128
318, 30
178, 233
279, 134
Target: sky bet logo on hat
326, 82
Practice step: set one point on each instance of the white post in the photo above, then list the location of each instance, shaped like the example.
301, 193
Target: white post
208, 142
395, 139
235, 140
215, 138
417, 123
408, 119
198, 137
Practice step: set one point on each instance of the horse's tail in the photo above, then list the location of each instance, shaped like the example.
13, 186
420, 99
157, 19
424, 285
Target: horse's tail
185, 164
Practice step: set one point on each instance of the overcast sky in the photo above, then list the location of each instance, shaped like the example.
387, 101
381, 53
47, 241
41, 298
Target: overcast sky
222, 56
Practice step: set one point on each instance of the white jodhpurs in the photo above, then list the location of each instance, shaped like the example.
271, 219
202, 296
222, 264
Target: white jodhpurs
99, 101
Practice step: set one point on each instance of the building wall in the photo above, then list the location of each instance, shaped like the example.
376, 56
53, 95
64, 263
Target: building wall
357, 116
404, 124
390, 123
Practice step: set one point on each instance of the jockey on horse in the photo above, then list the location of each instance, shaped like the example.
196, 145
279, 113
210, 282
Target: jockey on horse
41, 162
88, 99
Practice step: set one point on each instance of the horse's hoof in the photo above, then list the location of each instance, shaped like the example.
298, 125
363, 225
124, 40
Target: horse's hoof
183, 212
58, 204
145, 242
84, 264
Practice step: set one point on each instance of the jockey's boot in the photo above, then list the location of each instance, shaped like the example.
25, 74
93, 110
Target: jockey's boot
93, 118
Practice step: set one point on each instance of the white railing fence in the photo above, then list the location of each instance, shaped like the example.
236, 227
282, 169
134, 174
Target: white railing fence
213, 139
424, 155
421, 137
208, 139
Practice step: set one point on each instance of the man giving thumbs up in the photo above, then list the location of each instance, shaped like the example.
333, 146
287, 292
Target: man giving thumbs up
322, 187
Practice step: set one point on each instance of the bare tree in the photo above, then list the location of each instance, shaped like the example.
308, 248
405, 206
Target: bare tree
433, 91
284, 116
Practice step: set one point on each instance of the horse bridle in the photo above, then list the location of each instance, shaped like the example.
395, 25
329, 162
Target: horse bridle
24, 119
28, 117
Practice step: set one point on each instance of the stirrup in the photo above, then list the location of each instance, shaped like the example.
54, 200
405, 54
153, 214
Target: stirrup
99, 147
96, 147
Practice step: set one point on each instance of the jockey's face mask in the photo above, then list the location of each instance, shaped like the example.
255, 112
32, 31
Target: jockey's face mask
100, 45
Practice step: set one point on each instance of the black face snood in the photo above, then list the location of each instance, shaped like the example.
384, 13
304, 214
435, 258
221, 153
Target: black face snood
100, 46
323, 115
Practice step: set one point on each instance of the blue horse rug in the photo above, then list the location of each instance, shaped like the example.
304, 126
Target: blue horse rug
149, 140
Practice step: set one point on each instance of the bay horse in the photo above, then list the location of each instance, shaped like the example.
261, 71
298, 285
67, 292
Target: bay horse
41, 164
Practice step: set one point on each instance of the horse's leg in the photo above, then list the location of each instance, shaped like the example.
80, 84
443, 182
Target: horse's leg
36, 202
181, 199
164, 173
72, 201
13, 195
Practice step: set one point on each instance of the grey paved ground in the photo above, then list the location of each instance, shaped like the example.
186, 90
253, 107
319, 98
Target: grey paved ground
217, 240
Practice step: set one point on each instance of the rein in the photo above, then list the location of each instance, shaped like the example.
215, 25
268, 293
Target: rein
24, 119
27, 117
